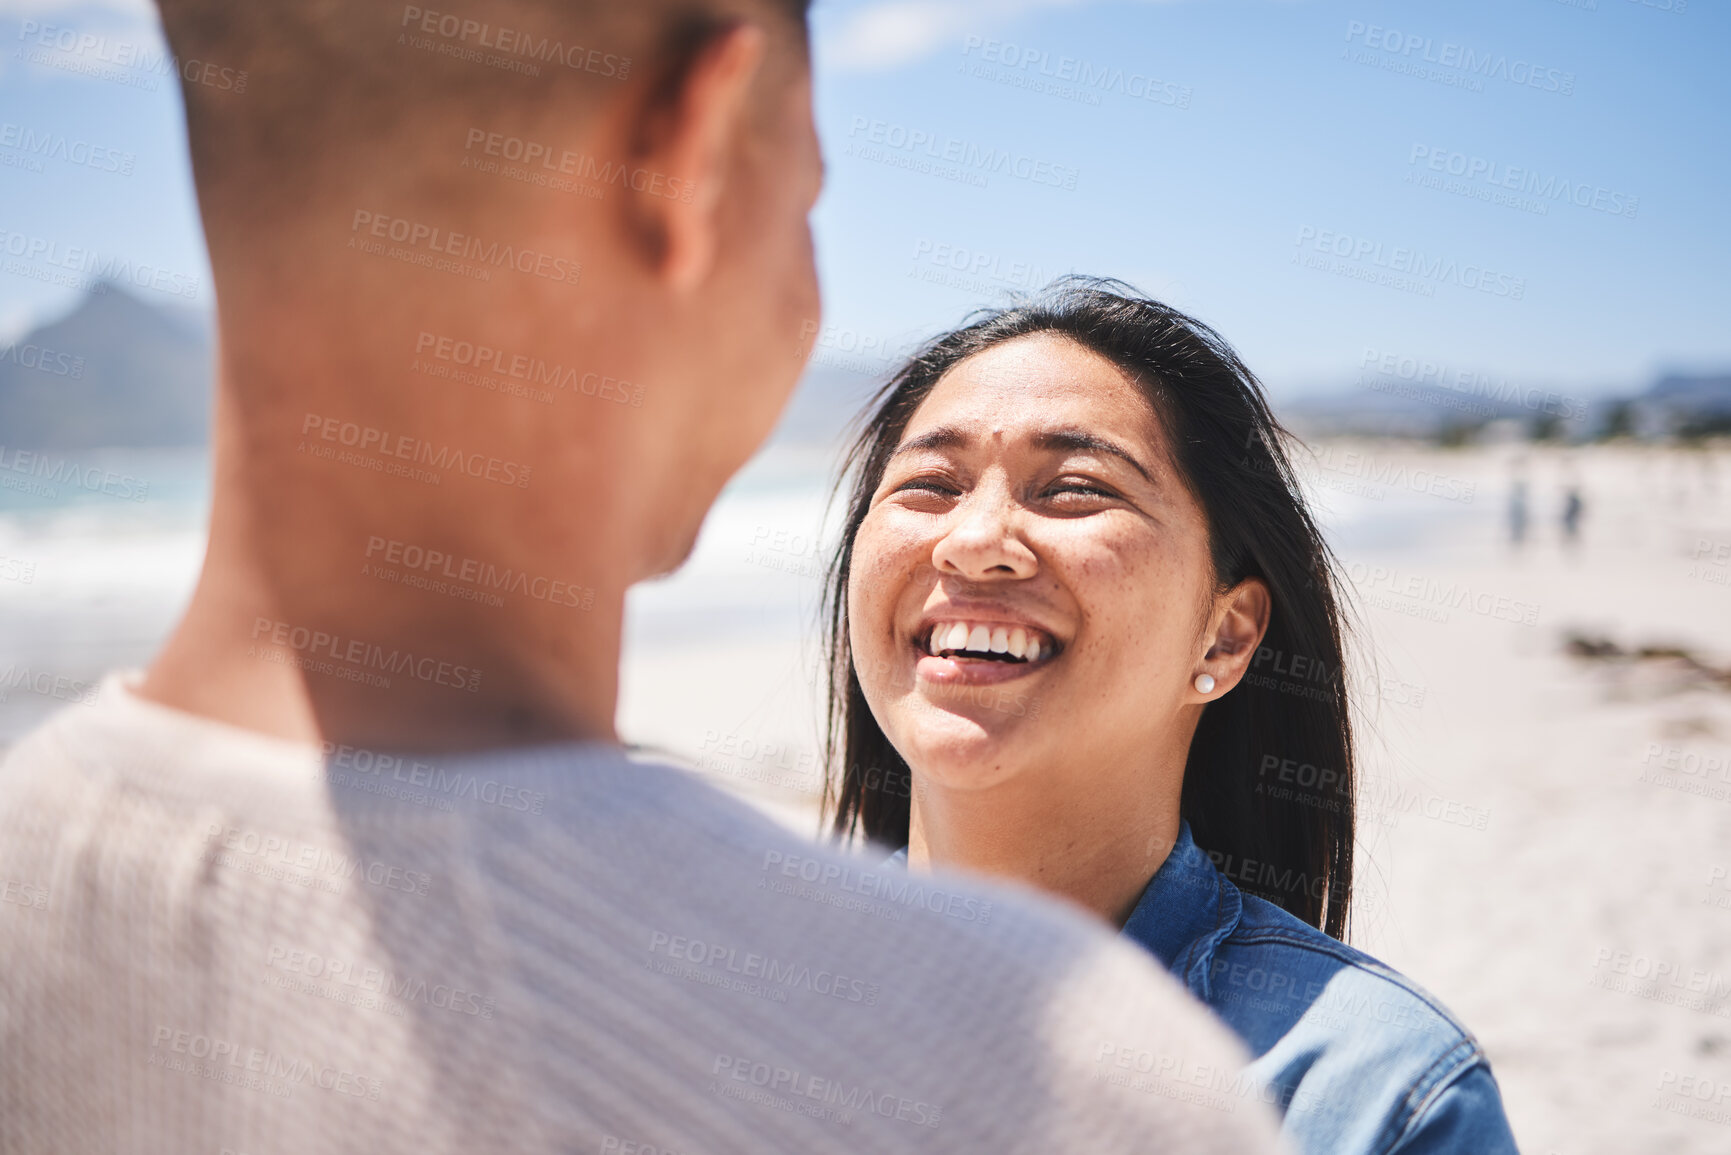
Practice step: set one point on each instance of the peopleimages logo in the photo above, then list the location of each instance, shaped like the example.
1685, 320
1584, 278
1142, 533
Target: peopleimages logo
42, 359
361, 656
60, 687
359, 977
1379, 472
106, 59
1688, 770
526, 367
509, 43
485, 576
582, 166
974, 270
404, 448
422, 783
918, 148
45, 472
1375, 261
317, 864
766, 968
424, 243
842, 348
1066, 77
208, 1055
58, 146
23, 894
1429, 592
1662, 980
92, 266
1378, 366
794, 1090
1451, 62
890, 884
1490, 177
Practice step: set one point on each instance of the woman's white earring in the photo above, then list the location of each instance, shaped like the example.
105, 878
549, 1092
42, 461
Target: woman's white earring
1204, 683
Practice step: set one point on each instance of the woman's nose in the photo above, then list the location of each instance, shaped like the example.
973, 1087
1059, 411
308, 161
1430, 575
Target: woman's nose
983, 542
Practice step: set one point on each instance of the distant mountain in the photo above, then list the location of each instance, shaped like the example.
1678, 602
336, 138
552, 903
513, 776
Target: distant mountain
1676, 405
114, 372
1688, 406
1710, 393
1390, 407
1369, 411
120, 372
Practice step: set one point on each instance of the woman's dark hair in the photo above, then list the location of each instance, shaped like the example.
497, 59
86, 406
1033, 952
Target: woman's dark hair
1269, 784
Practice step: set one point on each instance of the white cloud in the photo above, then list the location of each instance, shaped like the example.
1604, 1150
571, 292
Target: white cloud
142, 10
16, 319
880, 35
126, 21
886, 35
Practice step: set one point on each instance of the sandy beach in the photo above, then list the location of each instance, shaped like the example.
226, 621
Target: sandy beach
1545, 839
1584, 932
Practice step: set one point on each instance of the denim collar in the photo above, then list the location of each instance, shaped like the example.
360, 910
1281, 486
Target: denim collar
1186, 911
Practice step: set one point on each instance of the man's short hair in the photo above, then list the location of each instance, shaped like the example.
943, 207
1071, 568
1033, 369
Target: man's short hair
330, 84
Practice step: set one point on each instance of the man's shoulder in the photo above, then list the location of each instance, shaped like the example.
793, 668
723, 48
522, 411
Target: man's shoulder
993, 1009
625, 934
668, 844
42, 772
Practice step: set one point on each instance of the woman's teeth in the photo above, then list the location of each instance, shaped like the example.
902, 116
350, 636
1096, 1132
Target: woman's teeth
1011, 644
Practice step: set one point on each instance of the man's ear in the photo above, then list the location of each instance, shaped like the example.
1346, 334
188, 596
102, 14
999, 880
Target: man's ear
687, 143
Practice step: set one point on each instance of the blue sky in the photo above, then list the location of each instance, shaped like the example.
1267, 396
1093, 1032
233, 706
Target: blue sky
1317, 180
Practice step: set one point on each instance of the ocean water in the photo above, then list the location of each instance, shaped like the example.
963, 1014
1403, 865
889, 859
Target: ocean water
99, 551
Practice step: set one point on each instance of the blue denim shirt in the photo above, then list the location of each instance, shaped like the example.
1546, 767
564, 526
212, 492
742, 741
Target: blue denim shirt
1360, 1059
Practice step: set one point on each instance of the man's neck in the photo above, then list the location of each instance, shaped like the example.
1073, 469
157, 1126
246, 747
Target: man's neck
346, 599
355, 680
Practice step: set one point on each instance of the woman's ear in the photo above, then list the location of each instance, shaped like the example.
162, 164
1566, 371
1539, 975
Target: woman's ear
1239, 621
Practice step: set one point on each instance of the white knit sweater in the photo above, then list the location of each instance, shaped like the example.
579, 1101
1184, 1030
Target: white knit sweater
214, 941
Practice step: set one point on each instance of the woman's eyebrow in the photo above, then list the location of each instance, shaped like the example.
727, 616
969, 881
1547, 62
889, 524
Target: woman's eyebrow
1074, 440
943, 437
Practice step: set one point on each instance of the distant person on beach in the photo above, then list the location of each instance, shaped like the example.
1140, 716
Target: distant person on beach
1518, 509
1058, 594
1573, 507
358, 864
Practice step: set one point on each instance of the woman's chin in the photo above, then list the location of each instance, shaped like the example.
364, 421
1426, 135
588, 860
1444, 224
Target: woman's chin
964, 751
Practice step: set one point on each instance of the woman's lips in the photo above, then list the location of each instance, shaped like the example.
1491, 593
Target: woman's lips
972, 671
958, 652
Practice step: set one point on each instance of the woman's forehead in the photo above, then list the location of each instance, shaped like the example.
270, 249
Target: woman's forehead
1022, 386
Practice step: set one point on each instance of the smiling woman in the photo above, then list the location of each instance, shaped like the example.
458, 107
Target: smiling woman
1120, 456
1071, 527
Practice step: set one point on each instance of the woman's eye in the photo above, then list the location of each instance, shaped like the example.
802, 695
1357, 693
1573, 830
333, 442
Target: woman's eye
1084, 488
927, 485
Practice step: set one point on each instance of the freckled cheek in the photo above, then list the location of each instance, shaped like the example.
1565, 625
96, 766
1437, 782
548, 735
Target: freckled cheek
1126, 592
880, 572
892, 558
1085, 561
